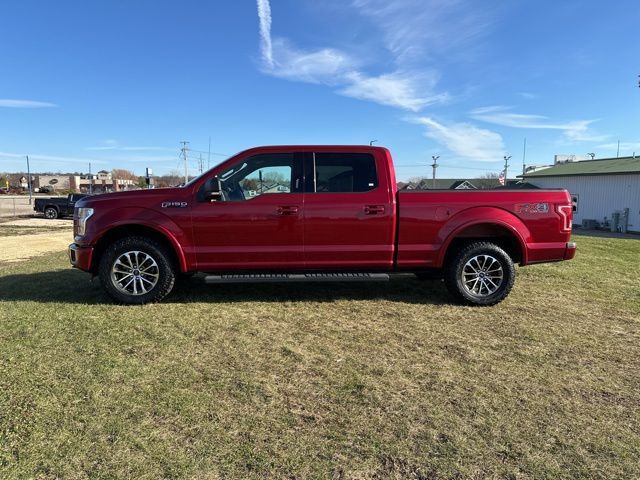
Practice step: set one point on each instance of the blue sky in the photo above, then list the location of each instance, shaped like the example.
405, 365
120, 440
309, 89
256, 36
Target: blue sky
121, 83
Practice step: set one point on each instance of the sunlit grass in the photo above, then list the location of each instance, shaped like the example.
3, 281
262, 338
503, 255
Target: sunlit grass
324, 381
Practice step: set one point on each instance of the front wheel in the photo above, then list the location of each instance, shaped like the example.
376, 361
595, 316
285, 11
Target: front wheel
481, 273
136, 270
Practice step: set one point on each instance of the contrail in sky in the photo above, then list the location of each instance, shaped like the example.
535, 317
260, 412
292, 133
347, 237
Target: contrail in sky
264, 13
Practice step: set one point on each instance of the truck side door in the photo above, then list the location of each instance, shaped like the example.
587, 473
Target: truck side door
349, 217
257, 224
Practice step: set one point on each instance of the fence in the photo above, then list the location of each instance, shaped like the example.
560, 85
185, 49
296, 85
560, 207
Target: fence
15, 207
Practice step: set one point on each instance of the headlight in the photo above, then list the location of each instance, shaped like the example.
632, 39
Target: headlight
83, 214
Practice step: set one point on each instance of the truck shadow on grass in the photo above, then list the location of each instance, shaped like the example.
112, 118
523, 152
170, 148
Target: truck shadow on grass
71, 286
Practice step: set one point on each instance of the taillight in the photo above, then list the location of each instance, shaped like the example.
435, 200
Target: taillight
566, 212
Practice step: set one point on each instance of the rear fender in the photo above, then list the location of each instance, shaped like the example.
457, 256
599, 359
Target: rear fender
462, 221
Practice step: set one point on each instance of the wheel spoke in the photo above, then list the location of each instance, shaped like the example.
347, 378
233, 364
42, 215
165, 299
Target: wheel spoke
135, 273
482, 275
488, 280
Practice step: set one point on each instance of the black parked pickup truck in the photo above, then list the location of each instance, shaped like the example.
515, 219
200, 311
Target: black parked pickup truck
57, 207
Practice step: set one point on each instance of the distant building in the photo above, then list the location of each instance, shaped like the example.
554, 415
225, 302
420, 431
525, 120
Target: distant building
462, 184
605, 192
101, 182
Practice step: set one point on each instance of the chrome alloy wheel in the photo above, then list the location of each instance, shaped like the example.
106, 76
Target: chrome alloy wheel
135, 273
482, 275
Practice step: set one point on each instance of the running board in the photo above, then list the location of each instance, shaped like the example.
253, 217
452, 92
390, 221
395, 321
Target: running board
298, 277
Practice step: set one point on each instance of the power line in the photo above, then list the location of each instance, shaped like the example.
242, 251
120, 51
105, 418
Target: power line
226, 155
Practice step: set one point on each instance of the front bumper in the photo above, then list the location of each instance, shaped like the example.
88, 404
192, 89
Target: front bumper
80, 257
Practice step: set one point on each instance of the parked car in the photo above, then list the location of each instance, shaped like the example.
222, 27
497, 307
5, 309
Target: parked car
340, 217
57, 207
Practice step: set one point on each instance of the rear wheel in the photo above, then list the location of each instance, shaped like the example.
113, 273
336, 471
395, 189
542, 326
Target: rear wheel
480, 274
136, 270
51, 213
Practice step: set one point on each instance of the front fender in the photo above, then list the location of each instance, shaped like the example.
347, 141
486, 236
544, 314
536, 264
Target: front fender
483, 216
148, 218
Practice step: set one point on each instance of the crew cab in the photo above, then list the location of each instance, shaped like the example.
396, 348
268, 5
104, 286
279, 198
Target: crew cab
304, 213
57, 207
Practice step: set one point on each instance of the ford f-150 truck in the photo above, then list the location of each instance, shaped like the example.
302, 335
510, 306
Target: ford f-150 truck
300, 213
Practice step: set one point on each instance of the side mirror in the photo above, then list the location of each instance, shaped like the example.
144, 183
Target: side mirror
213, 190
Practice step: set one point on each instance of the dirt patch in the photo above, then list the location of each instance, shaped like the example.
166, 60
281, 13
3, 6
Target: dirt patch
23, 247
39, 222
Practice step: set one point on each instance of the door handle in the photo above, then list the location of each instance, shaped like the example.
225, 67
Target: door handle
373, 209
287, 210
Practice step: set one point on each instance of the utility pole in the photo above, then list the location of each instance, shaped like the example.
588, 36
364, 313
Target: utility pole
524, 156
185, 149
29, 179
434, 165
506, 166
209, 155
200, 163
90, 180
618, 153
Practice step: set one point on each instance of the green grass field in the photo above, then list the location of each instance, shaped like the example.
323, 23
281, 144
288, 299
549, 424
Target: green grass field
324, 381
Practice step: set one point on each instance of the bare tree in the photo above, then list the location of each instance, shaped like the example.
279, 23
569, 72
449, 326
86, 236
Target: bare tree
123, 174
486, 181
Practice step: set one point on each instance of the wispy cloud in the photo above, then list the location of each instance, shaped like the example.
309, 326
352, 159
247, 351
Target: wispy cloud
12, 103
394, 89
528, 95
575, 130
51, 158
413, 29
113, 145
626, 148
336, 68
327, 65
464, 139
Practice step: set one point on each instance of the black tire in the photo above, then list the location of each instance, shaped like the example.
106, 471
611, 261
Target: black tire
51, 213
483, 288
162, 270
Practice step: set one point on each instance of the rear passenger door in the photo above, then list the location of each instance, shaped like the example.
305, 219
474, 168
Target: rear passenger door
348, 212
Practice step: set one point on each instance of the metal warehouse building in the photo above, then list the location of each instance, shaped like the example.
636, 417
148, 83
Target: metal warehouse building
605, 192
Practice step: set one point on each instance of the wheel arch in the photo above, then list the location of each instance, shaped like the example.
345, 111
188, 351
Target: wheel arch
140, 230
509, 235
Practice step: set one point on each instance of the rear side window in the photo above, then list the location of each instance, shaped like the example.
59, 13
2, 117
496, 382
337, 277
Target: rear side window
345, 172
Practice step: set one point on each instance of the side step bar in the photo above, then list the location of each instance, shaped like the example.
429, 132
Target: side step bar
298, 277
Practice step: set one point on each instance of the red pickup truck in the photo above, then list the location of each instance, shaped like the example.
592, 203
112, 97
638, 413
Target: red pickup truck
316, 213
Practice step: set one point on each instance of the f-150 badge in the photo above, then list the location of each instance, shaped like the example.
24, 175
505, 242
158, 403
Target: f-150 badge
174, 204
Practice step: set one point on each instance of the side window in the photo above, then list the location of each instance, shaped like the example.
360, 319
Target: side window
345, 172
258, 175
